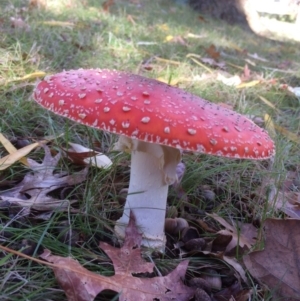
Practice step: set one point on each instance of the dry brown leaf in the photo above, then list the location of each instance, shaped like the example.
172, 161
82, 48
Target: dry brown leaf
82, 285
212, 52
281, 198
201, 19
33, 191
286, 201
37, 4
107, 5
278, 265
240, 270
290, 203
243, 235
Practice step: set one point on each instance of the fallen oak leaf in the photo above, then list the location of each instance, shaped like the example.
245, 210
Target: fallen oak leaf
82, 285
128, 258
33, 191
43, 203
277, 265
282, 199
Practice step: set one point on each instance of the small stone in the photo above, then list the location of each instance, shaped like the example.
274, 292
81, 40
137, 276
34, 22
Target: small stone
175, 225
200, 283
189, 233
195, 244
213, 278
201, 295
206, 194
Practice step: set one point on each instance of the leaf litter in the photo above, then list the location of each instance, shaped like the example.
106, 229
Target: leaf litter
277, 265
242, 234
33, 191
82, 285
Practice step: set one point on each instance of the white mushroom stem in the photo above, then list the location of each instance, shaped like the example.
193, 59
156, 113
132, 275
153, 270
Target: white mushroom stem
153, 169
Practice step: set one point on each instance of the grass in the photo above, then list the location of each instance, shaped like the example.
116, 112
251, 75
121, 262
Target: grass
80, 34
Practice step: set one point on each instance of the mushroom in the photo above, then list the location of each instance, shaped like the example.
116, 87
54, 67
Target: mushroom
155, 123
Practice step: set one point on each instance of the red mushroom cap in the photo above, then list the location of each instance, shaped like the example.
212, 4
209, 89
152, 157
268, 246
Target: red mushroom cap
151, 111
